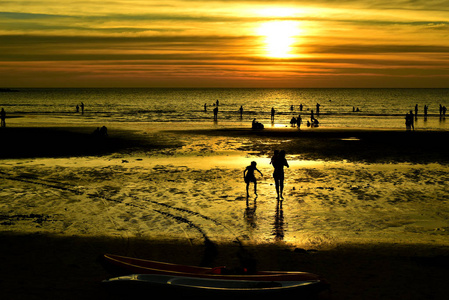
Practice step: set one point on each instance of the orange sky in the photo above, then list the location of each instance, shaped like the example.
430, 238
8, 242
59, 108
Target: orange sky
144, 43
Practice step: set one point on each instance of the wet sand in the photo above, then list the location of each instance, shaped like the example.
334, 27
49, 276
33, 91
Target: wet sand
178, 197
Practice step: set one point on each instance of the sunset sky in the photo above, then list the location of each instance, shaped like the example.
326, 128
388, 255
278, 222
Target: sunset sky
144, 43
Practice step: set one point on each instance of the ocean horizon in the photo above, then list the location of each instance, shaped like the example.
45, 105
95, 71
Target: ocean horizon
338, 107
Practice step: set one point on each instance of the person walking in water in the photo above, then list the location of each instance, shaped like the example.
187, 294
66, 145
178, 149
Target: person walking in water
249, 176
278, 161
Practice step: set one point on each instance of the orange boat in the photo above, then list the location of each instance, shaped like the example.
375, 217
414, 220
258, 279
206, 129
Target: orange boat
126, 265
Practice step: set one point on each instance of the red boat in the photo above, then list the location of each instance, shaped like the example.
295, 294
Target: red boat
127, 265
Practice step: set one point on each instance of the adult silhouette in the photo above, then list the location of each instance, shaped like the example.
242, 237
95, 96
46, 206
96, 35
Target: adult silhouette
279, 161
3, 117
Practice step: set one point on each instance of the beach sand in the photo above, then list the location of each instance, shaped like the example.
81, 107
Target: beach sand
367, 210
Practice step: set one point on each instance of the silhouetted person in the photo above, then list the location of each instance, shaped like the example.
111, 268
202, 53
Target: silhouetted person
82, 108
318, 108
272, 114
216, 113
313, 122
298, 121
205, 107
425, 110
409, 121
103, 131
3, 117
293, 122
77, 108
249, 176
278, 161
416, 110
300, 107
241, 112
257, 125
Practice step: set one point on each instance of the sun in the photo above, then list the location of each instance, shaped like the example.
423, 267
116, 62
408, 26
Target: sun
279, 37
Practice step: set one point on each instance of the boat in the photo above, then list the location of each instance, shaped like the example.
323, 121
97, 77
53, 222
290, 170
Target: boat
122, 265
194, 286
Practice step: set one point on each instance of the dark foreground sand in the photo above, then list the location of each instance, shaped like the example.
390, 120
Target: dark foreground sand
45, 266
48, 267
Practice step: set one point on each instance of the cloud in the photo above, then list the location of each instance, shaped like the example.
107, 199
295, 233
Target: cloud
218, 39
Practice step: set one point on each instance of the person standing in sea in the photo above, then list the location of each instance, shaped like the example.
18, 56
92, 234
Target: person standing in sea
216, 113
279, 161
3, 117
298, 121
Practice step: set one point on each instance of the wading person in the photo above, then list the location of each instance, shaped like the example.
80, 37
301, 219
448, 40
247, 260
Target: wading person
249, 176
3, 118
278, 161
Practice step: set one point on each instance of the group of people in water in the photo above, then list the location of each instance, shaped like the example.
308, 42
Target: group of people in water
278, 161
80, 106
294, 122
410, 117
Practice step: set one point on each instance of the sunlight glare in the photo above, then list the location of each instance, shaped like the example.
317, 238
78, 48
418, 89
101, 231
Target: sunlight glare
279, 37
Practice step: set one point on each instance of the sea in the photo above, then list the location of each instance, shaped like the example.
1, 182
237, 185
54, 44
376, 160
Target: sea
338, 108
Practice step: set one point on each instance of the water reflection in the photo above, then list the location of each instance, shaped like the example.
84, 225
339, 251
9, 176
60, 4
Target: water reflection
250, 213
279, 222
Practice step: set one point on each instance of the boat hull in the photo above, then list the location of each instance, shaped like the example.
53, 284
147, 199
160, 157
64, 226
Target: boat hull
122, 265
199, 287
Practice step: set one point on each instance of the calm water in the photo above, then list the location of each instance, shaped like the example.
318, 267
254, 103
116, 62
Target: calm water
379, 108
